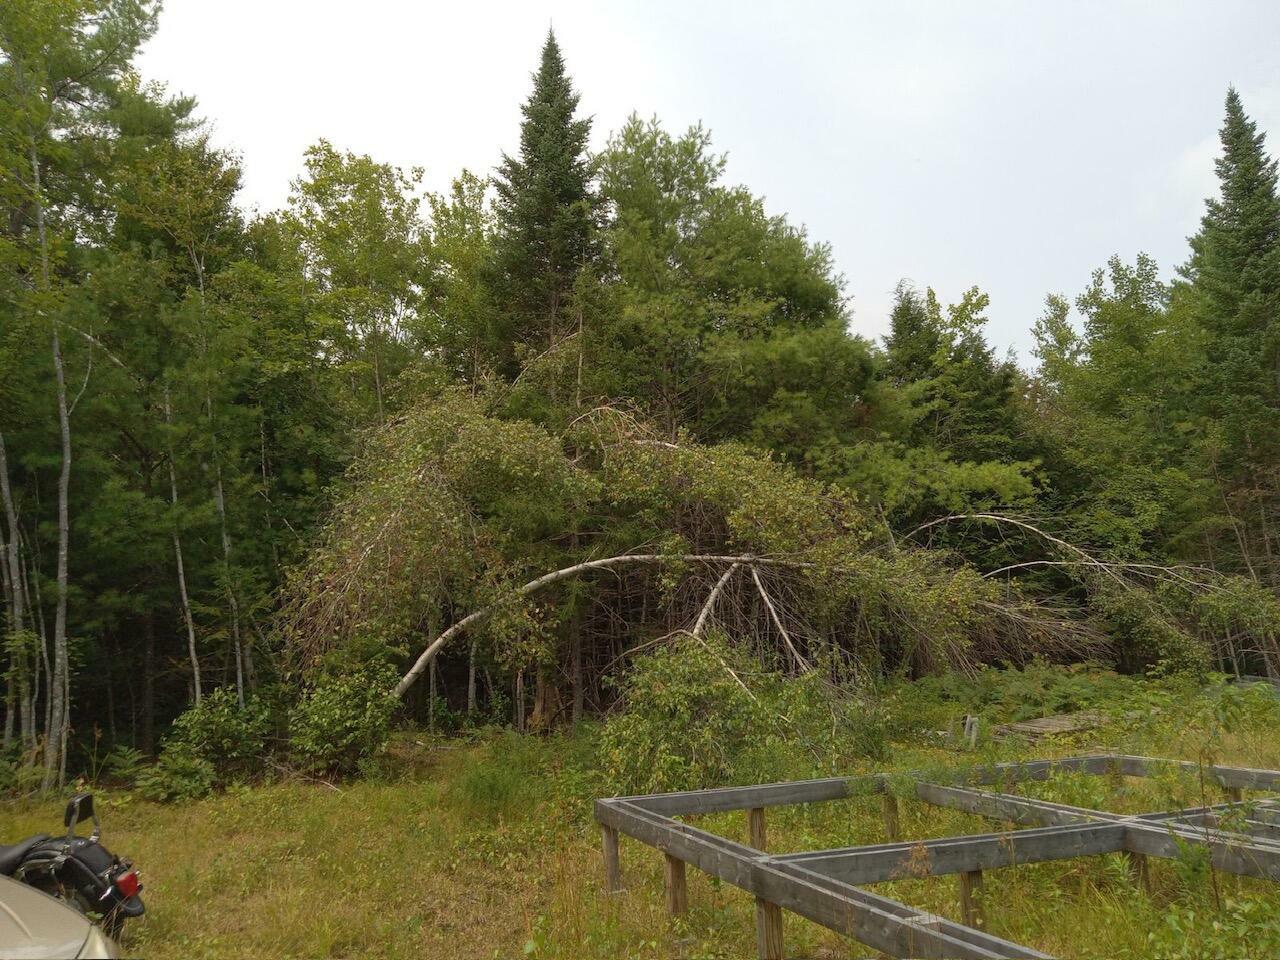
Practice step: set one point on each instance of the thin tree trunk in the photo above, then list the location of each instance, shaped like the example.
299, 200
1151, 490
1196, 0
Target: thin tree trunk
13, 583
471, 680
30, 726
188, 619
54, 752
220, 501
148, 684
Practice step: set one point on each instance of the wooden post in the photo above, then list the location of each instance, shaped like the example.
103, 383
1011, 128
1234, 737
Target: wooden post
971, 899
890, 815
1139, 870
677, 890
612, 867
768, 915
1235, 794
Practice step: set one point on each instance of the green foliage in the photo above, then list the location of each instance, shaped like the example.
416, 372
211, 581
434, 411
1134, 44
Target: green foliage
699, 713
342, 718
1008, 695
178, 774
230, 738
1243, 927
125, 764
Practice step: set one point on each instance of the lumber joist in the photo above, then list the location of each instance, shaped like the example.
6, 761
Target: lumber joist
826, 886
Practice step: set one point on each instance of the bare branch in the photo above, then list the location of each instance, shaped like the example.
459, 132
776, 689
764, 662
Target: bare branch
777, 622
711, 600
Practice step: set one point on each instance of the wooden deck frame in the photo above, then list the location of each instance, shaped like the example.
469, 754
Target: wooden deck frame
1242, 837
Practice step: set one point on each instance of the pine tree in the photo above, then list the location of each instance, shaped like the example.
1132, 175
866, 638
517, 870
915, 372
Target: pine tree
546, 211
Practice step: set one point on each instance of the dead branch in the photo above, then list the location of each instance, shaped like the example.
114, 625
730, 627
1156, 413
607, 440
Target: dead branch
711, 600
547, 579
777, 622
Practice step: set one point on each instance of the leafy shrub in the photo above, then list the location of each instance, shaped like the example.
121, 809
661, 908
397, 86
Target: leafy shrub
179, 774
700, 713
231, 738
342, 718
1244, 927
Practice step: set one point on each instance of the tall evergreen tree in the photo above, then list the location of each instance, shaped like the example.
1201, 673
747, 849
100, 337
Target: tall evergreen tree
546, 212
1233, 293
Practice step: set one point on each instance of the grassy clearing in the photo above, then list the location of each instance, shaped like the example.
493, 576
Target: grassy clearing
485, 849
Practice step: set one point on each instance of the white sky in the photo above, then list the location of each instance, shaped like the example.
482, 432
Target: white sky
1011, 145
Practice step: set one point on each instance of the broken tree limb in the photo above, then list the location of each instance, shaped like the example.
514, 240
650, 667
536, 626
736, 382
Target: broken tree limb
547, 579
711, 600
777, 622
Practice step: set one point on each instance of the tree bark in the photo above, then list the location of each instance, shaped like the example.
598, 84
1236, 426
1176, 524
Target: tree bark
55, 740
188, 619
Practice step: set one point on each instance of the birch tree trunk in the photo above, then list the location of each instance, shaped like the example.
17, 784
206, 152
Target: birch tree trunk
55, 739
181, 567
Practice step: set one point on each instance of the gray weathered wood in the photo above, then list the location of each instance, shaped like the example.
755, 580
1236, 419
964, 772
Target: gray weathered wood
932, 858
892, 827
879, 922
612, 865
1242, 838
1139, 870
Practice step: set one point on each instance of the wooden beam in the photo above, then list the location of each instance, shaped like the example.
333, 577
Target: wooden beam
1139, 870
971, 899
612, 865
892, 828
677, 889
950, 855
768, 915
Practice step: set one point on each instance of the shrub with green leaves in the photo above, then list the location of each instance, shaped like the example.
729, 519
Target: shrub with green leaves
702, 713
343, 718
231, 738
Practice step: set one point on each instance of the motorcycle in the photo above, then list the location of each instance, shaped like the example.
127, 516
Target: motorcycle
78, 870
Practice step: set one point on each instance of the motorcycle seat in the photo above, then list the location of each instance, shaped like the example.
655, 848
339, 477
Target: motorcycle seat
11, 856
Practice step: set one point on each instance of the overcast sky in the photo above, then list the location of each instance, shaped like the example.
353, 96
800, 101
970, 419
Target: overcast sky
1011, 145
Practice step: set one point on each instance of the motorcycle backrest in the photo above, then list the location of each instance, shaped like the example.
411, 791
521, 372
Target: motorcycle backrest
79, 808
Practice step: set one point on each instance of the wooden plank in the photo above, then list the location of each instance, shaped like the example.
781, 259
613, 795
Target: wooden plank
950, 855
744, 798
677, 888
1247, 778
612, 865
768, 915
1139, 870
1225, 854
1059, 724
892, 831
971, 899
876, 921
768, 930
723, 799
1005, 806
756, 828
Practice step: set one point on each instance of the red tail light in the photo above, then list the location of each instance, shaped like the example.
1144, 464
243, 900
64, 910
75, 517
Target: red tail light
127, 883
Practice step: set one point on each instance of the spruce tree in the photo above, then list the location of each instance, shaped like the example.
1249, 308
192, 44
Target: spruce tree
545, 212
1234, 297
